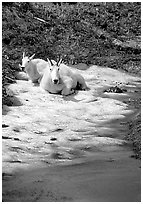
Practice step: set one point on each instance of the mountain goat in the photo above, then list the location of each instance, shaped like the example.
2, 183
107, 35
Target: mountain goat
33, 67
59, 78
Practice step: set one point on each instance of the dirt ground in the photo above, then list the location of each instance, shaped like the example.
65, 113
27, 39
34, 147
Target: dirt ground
60, 149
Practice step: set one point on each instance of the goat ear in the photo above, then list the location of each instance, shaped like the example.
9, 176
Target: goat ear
59, 62
32, 57
53, 62
23, 54
19, 65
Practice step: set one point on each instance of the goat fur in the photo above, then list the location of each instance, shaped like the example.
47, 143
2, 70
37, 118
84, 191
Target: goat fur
69, 80
34, 67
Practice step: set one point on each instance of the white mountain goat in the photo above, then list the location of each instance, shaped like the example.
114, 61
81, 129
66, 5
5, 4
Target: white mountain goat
33, 67
59, 78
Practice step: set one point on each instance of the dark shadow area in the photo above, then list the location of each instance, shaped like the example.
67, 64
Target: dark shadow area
61, 183
11, 101
71, 98
130, 126
5, 109
14, 101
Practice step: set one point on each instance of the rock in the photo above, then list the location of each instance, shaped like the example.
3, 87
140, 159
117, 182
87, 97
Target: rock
115, 89
5, 109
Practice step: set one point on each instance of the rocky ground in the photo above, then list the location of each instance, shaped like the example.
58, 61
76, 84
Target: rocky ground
71, 148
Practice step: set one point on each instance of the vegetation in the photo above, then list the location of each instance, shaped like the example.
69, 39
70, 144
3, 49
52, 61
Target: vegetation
134, 135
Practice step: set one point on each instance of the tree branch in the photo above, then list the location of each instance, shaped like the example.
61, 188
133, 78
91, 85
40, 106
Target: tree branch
42, 20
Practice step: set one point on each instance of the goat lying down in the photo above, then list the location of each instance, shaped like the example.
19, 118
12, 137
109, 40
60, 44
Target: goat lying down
33, 67
59, 78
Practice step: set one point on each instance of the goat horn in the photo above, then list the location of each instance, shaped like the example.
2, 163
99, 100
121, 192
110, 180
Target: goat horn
59, 62
50, 62
31, 57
